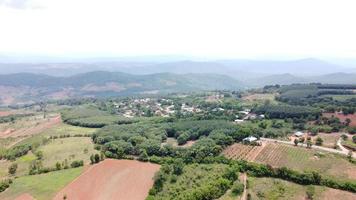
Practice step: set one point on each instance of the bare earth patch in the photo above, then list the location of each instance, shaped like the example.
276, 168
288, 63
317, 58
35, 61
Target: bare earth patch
112, 180
342, 117
5, 113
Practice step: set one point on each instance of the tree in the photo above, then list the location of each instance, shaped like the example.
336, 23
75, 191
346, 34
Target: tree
310, 192
319, 141
309, 143
178, 166
143, 156
347, 121
92, 159
301, 140
237, 188
296, 141
12, 168
354, 139
344, 137
39, 155
97, 158
58, 166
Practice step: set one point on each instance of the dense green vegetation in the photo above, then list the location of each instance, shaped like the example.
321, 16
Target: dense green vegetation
287, 111
92, 117
204, 181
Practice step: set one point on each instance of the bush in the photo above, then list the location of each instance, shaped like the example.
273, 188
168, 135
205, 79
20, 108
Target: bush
4, 184
77, 163
12, 168
237, 188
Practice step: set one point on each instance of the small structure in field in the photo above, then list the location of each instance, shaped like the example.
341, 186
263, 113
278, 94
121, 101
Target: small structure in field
238, 121
298, 134
250, 140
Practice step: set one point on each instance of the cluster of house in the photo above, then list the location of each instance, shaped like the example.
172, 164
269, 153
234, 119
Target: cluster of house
247, 115
160, 107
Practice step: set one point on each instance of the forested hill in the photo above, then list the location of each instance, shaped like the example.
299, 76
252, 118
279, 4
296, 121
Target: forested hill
101, 83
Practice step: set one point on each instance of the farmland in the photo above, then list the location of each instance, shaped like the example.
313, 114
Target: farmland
111, 179
41, 187
243, 152
270, 188
194, 143
303, 159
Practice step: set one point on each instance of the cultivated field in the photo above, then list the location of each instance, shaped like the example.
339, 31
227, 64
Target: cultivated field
243, 152
342, 117
112, 179
302, 159
41, 187
270, 188
298, 158
12, 133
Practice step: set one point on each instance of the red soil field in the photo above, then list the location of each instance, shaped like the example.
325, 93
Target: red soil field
342, 117
112, 180
4, 113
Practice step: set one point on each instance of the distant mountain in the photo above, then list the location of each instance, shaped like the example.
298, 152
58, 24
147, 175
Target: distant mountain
308, 66
27, 87
336, 78
287, 79
281, 79
239, 69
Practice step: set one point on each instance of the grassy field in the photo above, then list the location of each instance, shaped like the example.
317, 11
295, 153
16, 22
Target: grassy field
68, 130
341, 97
61, 129
23, 164
41, 187
349, 143
303, 159
72, 148
274, 189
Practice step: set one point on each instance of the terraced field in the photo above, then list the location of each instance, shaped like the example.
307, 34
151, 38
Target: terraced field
243, 152
302, 159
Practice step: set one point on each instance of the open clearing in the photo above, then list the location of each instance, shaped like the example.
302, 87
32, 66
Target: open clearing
112, 179
271, 188
41, 187
342, 117
72, 148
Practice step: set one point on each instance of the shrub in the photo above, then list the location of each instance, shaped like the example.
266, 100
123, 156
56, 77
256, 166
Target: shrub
77, 163
237, 188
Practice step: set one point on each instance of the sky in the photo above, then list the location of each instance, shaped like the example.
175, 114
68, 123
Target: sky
217, 28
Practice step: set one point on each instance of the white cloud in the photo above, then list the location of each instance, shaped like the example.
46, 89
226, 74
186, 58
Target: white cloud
191, 27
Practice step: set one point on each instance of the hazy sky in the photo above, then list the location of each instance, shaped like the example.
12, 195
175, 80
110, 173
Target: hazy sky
226, 28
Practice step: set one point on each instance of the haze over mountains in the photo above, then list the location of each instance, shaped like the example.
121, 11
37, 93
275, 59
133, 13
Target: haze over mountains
126, 76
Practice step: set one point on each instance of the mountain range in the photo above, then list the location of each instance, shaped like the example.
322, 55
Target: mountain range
27, 82
27, 87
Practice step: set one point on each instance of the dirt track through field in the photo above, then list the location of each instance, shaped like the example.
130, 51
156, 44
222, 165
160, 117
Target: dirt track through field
31, 130
112, 180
